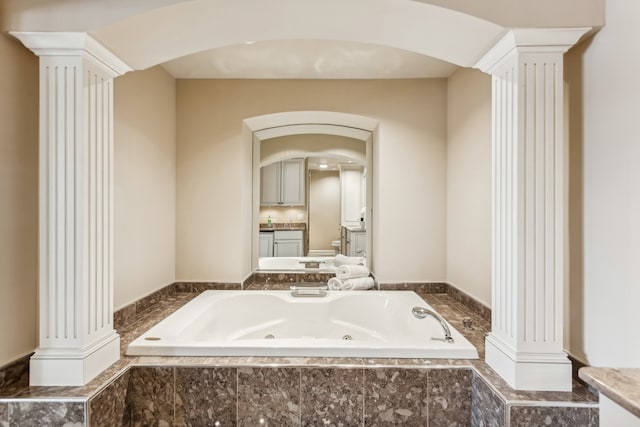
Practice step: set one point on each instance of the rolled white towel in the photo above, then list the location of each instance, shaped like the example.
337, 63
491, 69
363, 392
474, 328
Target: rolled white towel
352, 271
361, 283
340, 259
335, 284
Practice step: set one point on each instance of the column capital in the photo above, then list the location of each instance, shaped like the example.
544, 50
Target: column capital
533, 40
73, 44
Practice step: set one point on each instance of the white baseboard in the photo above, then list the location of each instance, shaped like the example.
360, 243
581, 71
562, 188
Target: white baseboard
537, 371
73, 367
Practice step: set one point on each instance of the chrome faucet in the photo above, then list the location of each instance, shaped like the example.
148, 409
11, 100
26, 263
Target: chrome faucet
421, 313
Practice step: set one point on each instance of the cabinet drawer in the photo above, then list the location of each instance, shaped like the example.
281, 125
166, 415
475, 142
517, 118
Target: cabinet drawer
287, 235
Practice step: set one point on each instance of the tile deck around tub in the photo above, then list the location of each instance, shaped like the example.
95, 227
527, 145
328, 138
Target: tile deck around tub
382, 391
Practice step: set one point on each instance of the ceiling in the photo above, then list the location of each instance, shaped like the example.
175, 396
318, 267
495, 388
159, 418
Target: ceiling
332, 163
307, 59
311, 39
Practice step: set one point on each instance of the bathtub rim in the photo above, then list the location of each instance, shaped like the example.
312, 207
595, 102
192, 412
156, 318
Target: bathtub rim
138, 346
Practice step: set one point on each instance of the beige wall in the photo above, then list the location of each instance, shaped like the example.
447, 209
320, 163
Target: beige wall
469, 183
214, 190
324, 209
18, 199
144, 177
605, 191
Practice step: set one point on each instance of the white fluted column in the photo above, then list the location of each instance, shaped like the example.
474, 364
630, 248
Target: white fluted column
77, 340
525, 345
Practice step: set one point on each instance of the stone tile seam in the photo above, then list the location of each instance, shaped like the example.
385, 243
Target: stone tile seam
115, 377
45, 400
297, 365
552, 404
489, 385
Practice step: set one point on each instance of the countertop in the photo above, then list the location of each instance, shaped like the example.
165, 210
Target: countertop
622, 385
283, 226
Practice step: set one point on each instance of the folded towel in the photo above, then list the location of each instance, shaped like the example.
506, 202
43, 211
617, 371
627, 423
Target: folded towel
352, 271
361, 283
334, 284
344, 260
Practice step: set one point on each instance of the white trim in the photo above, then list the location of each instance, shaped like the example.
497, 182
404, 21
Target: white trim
547, 372
73, 367
322, 129
541, 39
294, 118
73, 44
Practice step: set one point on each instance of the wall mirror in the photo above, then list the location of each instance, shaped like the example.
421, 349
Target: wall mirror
312, 197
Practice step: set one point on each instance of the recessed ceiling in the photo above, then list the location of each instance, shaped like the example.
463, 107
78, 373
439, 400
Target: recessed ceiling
332, 164
307, 59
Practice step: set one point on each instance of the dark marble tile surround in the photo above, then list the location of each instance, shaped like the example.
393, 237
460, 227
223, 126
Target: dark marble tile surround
14, 376
295, 391
285, 396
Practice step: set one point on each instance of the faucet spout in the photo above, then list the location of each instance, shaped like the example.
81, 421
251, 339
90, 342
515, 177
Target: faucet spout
422, 312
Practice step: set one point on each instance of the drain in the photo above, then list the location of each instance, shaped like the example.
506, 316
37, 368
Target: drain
347, 337
152, 338
269, 337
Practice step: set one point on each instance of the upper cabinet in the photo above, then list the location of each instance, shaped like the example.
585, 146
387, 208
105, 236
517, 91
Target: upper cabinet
283, 183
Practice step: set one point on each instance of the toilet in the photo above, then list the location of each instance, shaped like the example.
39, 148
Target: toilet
335, 244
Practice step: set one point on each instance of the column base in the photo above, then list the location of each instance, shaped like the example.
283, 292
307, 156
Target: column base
73, 366
528, 371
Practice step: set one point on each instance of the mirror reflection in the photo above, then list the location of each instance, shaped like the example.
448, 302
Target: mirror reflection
312, 202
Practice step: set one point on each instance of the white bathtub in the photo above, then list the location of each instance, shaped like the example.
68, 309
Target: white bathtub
325, 264
274, 323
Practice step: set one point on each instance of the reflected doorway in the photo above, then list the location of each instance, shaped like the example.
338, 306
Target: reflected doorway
323, 211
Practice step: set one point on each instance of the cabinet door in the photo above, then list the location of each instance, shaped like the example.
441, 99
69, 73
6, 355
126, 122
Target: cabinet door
270, 184
266, 245
359, 242
356, 243
293, 182
287, 248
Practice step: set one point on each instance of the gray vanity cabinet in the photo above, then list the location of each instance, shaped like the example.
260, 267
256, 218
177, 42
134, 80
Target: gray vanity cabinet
353, 241
288, 243
266, 244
